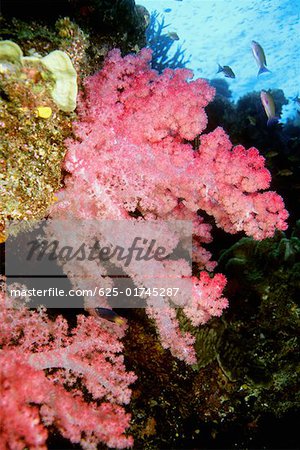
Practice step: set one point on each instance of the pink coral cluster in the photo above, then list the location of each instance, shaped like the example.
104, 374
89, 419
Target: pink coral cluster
45, 367
132, 159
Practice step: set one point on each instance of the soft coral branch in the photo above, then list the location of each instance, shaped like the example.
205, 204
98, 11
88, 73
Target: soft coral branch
44, 369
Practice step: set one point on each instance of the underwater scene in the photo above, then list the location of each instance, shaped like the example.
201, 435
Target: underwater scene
149, 224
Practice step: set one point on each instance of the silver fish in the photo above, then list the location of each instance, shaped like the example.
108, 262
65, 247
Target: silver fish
260, 57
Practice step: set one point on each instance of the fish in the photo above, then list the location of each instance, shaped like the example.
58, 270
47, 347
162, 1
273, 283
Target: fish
172, 35
252, 120
228, 72
269, 107
260, 57
285, 173
143, 12
110, 315
272, 154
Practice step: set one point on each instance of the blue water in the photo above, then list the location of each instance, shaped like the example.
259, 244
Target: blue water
221, 31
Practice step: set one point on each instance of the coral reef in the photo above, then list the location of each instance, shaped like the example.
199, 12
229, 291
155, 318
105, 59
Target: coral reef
134, 128
138, 152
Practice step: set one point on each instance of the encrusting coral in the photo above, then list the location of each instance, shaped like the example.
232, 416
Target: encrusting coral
33, 129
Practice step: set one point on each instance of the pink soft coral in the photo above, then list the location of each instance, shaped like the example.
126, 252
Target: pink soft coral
44, 367
131, 155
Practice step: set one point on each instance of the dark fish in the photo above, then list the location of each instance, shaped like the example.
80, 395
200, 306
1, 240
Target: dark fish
172, 35
260, 57
143, 12
228, 72
167, 10
110, 315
